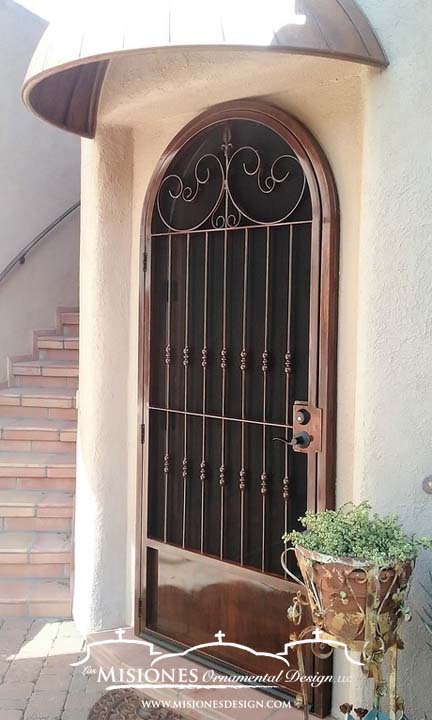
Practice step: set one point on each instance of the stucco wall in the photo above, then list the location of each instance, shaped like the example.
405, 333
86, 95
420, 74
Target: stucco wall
39, 179
138, 122
104, 450
394, 379
381, 164
30, 294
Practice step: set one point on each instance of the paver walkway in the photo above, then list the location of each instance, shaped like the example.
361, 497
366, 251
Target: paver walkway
37, 682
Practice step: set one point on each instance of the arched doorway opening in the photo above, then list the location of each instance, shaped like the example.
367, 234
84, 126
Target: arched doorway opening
238, 338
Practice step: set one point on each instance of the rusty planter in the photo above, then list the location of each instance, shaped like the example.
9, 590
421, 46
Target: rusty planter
353, 600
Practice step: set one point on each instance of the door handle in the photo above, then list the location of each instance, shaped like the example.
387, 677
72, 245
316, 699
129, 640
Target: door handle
300, 440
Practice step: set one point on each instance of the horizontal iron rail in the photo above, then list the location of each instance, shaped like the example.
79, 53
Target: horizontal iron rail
232, 228
228, 418
20, 258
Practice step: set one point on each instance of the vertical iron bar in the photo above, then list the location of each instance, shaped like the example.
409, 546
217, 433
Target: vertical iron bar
243, 368
265, 361
185, 364
224, 364
204, 395
166, 466
314, 294
288, 373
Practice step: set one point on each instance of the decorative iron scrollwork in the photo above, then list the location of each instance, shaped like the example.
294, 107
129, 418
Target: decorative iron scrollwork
284, 168
176, 189
213, 189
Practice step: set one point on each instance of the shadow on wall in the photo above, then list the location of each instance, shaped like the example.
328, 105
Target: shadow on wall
39, 179
40, 166
30, 294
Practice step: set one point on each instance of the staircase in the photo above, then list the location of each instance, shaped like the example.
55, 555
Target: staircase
37, 474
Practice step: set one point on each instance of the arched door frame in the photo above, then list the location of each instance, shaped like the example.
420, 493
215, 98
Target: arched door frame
325, 231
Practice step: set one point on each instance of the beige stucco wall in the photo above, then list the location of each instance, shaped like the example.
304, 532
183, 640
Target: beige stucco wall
39, 180
105, 452
30, 294
135, 129
381, 167
394, 378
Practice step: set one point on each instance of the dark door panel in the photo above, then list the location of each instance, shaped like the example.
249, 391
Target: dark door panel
239, 325
180, 582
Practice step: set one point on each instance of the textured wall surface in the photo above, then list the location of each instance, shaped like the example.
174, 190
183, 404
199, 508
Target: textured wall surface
39, 179
104, 403
394, 381
152, 106
30, 294
39, 169
374, 129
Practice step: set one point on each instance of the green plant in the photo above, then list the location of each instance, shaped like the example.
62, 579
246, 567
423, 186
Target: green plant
354, 531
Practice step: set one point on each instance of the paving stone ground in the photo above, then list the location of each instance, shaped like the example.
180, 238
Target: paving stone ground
36, 680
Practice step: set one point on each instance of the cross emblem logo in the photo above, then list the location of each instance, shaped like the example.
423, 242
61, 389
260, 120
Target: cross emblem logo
220, 635
120, 632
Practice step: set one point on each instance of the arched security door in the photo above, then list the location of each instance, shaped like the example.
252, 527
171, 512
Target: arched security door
238, 323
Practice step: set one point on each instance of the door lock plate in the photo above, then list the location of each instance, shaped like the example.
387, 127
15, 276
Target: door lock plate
307, 419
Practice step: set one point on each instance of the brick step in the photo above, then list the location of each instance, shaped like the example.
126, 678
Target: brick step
57, 347
27, 510
49, 402
35, 548
34, 555
36, 503
35, 598
69, 322
46, 373
37, 434
37, 471
9, 571
37, 474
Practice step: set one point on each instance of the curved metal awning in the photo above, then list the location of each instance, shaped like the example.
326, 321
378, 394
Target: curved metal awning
65, 77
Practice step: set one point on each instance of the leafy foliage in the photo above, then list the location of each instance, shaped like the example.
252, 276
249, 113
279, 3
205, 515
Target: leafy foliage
354, 531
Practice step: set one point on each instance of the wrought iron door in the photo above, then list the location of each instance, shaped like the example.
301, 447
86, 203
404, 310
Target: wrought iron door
233, 247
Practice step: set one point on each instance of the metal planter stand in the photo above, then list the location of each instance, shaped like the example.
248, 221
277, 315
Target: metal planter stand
359, 606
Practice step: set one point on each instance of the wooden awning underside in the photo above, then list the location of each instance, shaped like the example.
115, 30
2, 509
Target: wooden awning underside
65, 77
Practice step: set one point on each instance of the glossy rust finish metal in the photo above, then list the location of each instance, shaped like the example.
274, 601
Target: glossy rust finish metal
226, 293
308, 419
64, 80
359, 606
165, 573
185, 580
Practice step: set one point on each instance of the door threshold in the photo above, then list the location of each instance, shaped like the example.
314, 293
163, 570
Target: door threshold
120, 659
